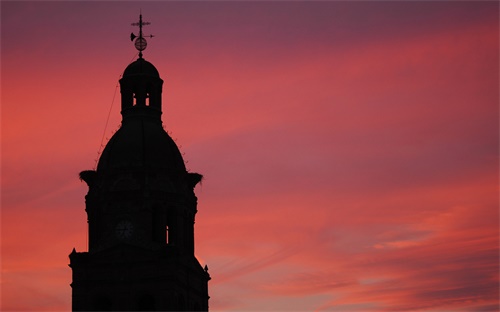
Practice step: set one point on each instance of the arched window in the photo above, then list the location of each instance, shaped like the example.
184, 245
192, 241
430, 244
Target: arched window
146, 303
166, 234
181, 302
102, 303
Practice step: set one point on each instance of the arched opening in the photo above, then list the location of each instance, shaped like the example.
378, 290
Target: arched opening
140, 98
181, 303
102, 303
146, 303
166, 234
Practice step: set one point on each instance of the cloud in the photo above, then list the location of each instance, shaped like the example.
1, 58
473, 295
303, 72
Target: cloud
349, 150
36, 289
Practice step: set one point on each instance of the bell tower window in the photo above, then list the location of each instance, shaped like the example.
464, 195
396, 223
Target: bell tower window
140, 94
166, 234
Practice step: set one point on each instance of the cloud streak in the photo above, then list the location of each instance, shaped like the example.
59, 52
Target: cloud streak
350, 150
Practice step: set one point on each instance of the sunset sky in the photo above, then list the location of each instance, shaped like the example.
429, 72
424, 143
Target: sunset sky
349, 149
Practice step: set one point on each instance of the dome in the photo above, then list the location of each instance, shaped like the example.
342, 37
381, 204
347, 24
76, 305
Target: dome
141, 144
141, 67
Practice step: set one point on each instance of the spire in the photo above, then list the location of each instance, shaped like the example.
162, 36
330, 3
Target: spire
140, 42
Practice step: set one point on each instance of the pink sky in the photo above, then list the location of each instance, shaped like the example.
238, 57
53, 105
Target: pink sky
350, 149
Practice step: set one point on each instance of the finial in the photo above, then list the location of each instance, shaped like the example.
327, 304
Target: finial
140, 43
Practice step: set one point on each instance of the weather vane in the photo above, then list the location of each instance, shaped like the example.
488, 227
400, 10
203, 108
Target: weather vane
140, 43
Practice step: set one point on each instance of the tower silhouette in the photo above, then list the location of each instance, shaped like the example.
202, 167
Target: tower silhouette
141, 210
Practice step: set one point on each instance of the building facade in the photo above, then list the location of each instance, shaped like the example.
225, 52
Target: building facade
141, 211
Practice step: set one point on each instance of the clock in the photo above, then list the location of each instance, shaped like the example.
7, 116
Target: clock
124, 229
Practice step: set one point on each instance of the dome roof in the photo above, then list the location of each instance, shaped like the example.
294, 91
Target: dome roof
141, 67
141, 143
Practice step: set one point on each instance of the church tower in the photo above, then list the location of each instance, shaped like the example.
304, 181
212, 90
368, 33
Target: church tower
141, 211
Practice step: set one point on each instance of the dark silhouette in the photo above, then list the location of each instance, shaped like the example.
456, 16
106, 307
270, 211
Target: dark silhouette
141, 209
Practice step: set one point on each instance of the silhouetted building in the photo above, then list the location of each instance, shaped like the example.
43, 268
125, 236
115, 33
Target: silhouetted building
141, 210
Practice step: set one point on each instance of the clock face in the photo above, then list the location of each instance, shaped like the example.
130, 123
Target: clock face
124, 229
140, 44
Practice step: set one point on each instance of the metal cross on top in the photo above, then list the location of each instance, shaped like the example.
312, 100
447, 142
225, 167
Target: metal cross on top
140, 43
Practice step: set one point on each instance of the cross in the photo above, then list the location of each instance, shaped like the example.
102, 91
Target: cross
140, 24
140, 42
